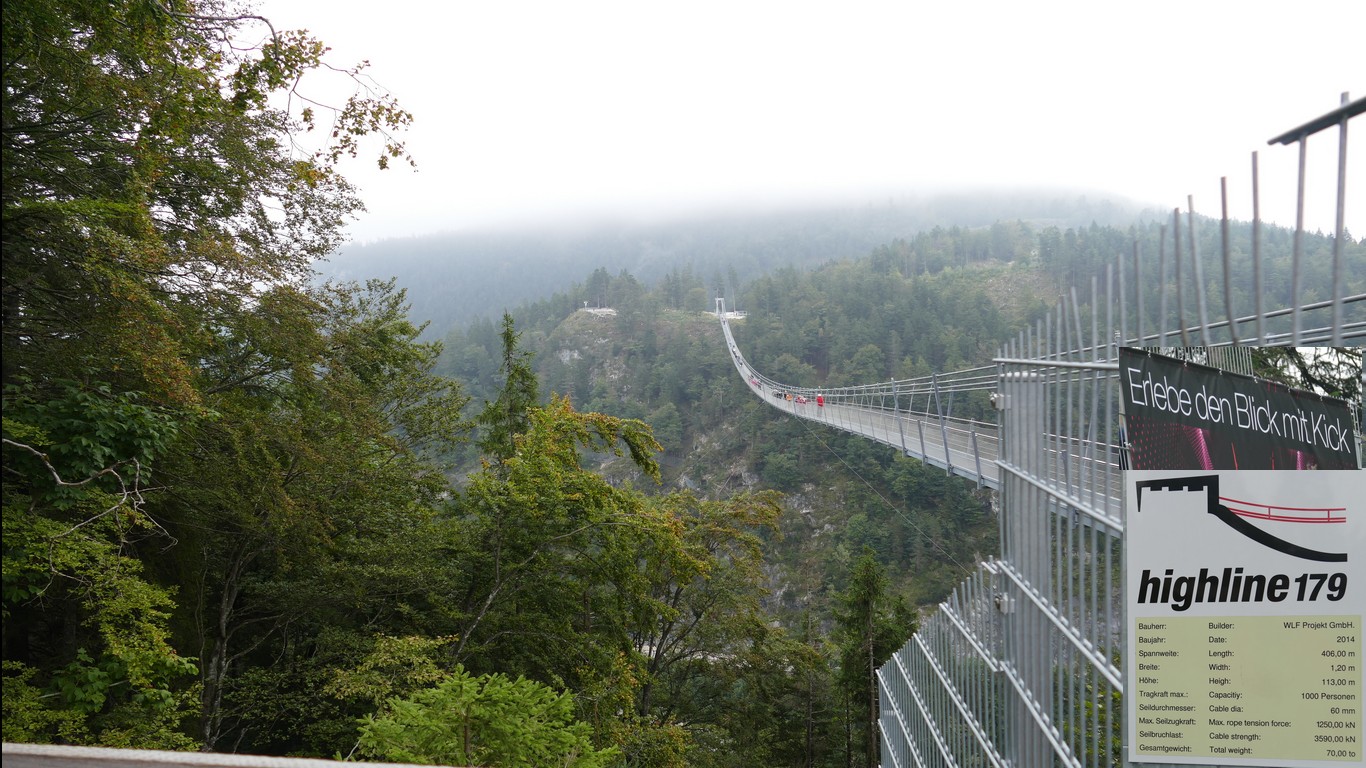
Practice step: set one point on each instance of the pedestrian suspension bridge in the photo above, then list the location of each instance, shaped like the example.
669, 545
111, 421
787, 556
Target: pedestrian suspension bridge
1023, 664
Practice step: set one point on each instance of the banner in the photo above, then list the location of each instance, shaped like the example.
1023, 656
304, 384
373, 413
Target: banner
1182, 415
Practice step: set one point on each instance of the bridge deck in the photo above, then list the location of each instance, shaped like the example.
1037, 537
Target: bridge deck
960, 446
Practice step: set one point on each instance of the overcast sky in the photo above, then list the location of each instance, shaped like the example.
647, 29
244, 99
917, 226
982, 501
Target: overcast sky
554, 110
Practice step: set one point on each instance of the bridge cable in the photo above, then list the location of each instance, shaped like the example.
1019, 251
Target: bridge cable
807, 425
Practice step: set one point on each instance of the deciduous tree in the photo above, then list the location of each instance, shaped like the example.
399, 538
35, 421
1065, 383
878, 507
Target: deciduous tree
163, 358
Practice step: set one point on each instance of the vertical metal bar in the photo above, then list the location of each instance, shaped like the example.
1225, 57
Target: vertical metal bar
920, 425
1299, 250
1077, 405
1073, 443
1036, 637
1088, 446
1064, 567
1097, 390
1176, 268
1162, 286
1109, 611
1138, 297
1198, 271
1228, 273
1111, 338
1257, 253
977, 456
1025, 441
1052, 397
1093, 722
896, 412
1092, 623
1095, 399
1123, 336
943, 428
1337, 239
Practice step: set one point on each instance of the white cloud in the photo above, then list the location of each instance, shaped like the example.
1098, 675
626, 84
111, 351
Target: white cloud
529, 109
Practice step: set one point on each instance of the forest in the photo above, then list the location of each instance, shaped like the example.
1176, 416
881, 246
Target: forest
251, 509
456, 278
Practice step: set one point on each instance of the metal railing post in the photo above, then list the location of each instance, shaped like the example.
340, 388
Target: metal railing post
896, 413
943, 428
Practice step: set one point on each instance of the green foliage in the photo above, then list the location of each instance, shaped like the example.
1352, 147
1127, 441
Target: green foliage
147, 182
73, 510
395, 665
29, 718
118, 681
547, 537
184, 412
781, 470
322, 462
82, 437
507, 416
667, 424
485, 720
872, 624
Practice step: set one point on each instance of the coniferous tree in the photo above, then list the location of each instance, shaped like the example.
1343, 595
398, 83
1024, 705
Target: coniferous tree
872, 623
507, 416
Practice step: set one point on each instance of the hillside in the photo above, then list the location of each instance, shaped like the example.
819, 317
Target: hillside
941, 300
456, 278
668, 366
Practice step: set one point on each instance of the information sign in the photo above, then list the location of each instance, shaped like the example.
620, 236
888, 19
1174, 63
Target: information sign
1245, 593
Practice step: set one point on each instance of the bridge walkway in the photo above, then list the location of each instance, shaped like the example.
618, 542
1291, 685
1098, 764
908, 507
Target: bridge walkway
914, 416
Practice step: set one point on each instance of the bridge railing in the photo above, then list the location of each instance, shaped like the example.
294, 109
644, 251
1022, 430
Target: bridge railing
1023, 664
916, 416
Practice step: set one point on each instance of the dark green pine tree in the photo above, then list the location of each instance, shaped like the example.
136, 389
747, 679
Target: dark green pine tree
871, 623
1333, 372
506, 417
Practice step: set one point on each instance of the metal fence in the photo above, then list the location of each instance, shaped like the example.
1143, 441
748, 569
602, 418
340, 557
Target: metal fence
916, 416
1023, 664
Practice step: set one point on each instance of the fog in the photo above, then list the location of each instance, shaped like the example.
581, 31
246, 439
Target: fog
531, 112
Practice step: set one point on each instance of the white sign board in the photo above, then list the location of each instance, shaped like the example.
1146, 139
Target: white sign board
1245, 601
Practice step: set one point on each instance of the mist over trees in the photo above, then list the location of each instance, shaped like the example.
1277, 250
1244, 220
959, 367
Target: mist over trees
456, 278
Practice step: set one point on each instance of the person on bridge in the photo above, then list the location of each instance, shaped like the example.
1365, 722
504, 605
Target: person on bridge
820, 400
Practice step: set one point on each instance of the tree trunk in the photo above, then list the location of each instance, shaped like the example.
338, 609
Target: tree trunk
216, 669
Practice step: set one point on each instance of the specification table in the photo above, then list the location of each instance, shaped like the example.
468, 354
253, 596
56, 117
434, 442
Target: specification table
1244, 592
1249, 687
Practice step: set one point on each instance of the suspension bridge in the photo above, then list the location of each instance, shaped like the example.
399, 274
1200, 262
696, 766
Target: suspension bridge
1023, 664
914, 415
